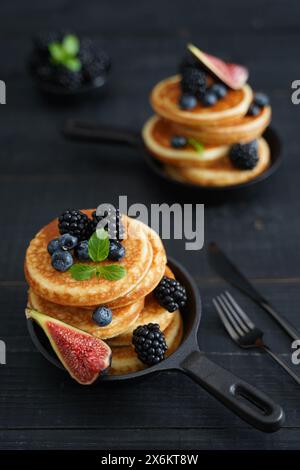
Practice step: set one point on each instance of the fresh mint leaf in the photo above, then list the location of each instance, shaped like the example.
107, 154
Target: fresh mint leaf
98, 246
111, 272
71, 45
56, 51
73, 64
82, 272
197, 145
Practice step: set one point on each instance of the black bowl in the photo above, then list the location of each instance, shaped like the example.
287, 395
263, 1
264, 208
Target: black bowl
59, 91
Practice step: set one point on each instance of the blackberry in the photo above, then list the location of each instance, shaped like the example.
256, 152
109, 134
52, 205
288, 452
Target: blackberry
193, 82
170, 294
189, 61
75, 223
244, 156
95, 66
113, 226
67, 78
150, 343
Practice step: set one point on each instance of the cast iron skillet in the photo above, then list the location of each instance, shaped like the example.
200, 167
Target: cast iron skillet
91, 132
243, 399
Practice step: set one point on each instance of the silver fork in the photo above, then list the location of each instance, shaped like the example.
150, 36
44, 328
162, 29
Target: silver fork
243, 331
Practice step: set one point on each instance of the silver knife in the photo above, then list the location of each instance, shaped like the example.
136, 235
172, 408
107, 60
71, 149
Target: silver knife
228, 271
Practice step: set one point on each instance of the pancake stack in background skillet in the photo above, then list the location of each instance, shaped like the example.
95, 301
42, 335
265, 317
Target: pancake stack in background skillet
209, 123
107, 295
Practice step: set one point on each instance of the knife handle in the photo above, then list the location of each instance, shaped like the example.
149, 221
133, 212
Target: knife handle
287, 327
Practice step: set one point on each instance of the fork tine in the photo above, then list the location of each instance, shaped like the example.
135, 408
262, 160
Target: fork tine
239, 331
241, 312
235, 314
223, 317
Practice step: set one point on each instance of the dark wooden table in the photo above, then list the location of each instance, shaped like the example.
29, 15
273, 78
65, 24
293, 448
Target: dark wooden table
41, 174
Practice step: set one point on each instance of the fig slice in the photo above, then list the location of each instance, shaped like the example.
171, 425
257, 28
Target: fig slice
84, 356
233, 75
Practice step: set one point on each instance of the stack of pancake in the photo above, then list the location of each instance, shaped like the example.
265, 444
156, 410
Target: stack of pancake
131, 299
216, 127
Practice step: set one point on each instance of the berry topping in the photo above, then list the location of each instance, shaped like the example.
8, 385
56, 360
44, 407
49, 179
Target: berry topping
116, 250
193, 82
102, 316
187, 102
75, 223
209, 99
261, 100
67, 241
61, 260
53, 245
244, 156
64, 59
81, 251
113, 226
66, 78
170, 294
150, 344
253, 110
178, 141
189, 60
219, 90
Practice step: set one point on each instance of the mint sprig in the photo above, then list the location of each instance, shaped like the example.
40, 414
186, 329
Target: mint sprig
98, 249
98, 246
198, 146
65, 52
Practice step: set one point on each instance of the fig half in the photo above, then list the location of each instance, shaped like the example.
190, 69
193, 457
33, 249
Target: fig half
233, 75
84, 356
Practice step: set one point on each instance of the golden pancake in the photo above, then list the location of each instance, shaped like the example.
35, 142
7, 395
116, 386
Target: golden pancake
125, 360
157, 134
151, 313
153, 275
62, 289
223, 173
165, 96
82, 318
247, 128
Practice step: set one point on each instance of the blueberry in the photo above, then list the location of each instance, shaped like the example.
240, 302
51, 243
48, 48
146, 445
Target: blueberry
116, 250
178, 141
67, 241
209, 99
261, 100
187, 101
102, 316
61, 260
219, 89
81, 251
53, 245
253, 110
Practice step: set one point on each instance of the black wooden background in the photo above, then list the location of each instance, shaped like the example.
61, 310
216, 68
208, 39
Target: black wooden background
41, 174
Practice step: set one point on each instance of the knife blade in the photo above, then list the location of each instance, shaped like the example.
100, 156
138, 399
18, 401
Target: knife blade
228, 271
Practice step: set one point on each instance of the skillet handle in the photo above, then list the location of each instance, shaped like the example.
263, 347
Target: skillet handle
91, 132
246, 401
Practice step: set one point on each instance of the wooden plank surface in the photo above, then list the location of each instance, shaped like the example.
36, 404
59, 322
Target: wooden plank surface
41, 174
